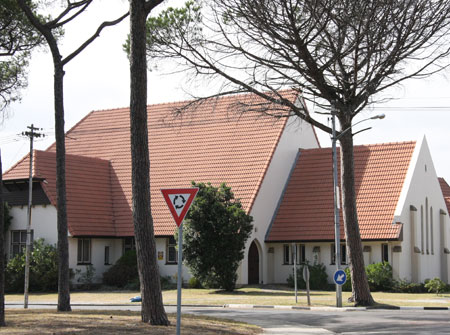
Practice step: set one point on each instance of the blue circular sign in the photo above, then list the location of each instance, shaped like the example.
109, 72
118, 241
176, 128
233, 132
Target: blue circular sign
340, 277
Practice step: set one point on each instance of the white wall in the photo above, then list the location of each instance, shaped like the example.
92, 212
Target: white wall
421, 185
43, 223
170, 270
297, 134
97, 256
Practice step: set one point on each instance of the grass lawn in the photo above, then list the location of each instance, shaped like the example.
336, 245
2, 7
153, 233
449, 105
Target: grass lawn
268, 295
113, 322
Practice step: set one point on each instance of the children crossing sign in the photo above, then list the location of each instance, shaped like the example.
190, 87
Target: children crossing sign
179, 200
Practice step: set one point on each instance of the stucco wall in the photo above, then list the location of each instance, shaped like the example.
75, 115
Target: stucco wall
297, 134
43, 223
421, 188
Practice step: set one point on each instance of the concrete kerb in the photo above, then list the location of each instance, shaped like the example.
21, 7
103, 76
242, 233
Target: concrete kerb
249, 306
334, 309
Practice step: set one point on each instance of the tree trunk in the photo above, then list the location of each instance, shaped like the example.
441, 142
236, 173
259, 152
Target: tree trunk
152, 309
360, 286
63, 243
2, 250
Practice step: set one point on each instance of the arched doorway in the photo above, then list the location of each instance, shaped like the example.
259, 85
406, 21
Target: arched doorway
253, 264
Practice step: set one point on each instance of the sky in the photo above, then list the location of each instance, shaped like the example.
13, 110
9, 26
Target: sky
99, 79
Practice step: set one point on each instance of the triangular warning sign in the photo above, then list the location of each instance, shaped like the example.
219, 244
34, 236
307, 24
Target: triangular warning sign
179, 200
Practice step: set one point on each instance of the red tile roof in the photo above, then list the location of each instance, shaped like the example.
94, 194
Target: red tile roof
446, 192
89, 201
306, 210
210, 143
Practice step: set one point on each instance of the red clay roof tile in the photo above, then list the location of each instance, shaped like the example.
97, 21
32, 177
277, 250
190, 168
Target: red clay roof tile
306, 211
445, 192
210, 143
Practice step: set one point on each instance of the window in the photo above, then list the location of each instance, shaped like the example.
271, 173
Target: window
301, 258
107, 255
128, 244
422, 244
431, 231
19, 242
343, 254
171, 251
288, 254
84, 251
426, 226
384, 252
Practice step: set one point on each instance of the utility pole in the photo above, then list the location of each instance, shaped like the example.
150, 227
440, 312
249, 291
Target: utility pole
31, 134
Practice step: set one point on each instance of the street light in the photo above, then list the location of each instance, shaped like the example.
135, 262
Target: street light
337, 232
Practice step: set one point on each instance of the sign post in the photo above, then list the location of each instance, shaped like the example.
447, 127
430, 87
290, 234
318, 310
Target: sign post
306, 278
179, 200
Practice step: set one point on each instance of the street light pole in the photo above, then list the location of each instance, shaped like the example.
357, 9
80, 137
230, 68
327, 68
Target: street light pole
337, 231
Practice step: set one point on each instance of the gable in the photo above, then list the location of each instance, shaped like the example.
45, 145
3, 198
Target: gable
306, 211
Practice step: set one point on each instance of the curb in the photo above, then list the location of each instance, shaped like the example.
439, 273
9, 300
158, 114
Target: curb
336, 309
248, 306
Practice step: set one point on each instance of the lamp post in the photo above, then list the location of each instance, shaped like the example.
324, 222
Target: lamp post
337, 232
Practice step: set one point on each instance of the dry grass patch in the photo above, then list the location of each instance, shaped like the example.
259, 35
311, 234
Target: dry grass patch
114, 322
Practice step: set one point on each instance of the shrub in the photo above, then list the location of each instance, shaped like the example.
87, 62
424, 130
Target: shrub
404, 286
214, 236
43, 269
379, 276
435, 285
167, 283
86, 278
318, 278
194, 283
347, 287
124, 272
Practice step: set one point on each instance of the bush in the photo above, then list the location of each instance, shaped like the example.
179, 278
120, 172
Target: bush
318, 278
347, 287
379, 276
167, 283
435, 285
86, 278
214, 236
124, 272
43, 270
194, 283
404, 286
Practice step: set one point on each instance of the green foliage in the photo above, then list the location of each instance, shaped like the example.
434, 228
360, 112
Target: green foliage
86, 278
404, 286
194, 283
215, 233
435, 285
172, 26
43, 269
379, 276
17, 38
318, 278
167, 283
347, 287
7, 218
124, 272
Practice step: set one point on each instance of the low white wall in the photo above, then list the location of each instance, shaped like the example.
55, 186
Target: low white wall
43, 223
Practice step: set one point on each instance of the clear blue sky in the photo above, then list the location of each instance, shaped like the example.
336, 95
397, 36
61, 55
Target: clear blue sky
99, 79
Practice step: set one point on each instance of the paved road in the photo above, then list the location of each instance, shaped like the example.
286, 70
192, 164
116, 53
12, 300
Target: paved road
286, 322
336, 322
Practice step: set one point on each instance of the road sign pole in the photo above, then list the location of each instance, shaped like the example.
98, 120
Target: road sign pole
180, 276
